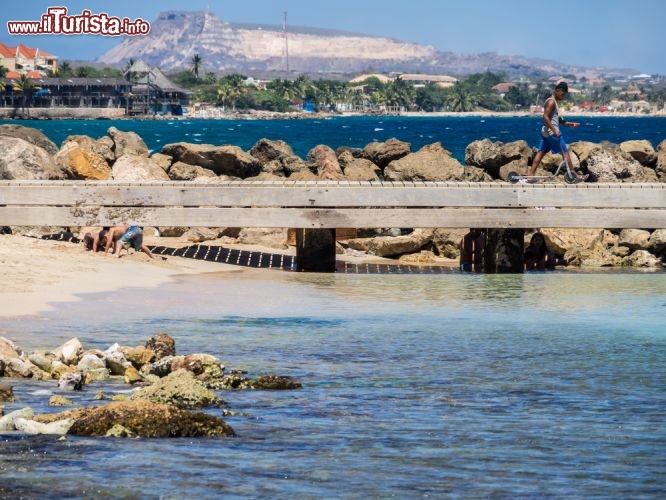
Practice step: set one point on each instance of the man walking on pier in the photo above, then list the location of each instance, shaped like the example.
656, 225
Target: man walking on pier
551, 137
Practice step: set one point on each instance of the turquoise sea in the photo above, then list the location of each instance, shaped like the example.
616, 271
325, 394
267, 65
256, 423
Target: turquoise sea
455, 133
541, 385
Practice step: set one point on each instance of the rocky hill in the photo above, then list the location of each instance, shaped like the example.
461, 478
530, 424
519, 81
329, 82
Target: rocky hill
175, 37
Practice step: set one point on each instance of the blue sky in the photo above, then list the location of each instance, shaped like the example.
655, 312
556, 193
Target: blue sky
607, 33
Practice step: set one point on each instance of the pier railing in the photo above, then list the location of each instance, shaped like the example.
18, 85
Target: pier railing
331, 204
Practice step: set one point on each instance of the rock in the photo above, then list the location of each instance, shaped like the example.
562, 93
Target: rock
21, 368
162, 345
181, 171
6, 393
277, 157
31, 135
447, 242
69, 352
132, 375
43, 361
657, 242
583, 149
204, 366
238, 381
59, 427
383, 153
276, 383
58, 400
362, 170
144, 419
71, 381
642, 258
9, 349
135, 168
492, 156
390, 246
89, 362
181, 389
21, 160
615, 166
323, 159
641, 151
266, 237
660, 168
161, 160
127, 143
7, 423
115, 361
82, 163
634, 239
427, 164
234, 162
139, 356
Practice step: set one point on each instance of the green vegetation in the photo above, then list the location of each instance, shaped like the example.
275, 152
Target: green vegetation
476, 92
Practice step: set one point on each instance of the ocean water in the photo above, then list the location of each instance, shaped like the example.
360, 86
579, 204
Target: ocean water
541, 385
455, 133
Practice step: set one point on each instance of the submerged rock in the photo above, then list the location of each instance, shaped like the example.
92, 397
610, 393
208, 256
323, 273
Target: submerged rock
142, 419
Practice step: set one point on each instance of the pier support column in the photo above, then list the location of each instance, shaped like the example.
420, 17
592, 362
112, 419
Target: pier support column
504, 251
315, 250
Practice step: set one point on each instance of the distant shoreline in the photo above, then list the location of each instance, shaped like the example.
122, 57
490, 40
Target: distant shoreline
118, 114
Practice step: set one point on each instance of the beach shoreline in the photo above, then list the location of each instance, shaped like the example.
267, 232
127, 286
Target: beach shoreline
39, 273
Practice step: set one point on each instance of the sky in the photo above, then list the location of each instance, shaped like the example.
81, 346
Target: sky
616, 34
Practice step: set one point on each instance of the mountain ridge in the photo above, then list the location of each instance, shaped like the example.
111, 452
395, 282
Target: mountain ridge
176, 36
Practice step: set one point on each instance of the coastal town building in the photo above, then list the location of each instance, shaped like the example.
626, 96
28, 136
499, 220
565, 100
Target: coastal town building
23, 60
421, 80
144, 91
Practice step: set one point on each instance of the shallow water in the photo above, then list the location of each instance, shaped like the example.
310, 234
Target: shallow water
543, 384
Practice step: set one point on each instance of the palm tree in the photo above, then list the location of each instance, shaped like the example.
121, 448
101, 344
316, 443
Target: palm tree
26, 87
196, 62
460, 99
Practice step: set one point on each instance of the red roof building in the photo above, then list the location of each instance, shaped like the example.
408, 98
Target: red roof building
24, 59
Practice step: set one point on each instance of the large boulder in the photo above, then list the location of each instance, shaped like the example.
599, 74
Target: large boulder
133, 168
82, 162
127, 143
181, 171
430, 163
234, 162
657, 242
383, 153
660, 166
390, 246
141, 418
21, 160
277, 157
362, 170
641, 151
31, 135
583, 149
491, 156
323, 159
222, 160
612, 165
181, 389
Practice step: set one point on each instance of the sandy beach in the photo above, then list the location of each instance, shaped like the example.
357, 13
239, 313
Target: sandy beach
38, 272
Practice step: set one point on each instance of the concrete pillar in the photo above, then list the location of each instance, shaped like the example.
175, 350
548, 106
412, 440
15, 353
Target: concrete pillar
315, 250
504, 251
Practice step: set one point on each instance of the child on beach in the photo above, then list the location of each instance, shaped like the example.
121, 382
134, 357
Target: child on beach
132, 238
